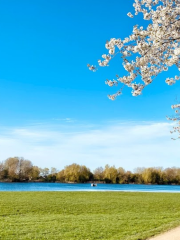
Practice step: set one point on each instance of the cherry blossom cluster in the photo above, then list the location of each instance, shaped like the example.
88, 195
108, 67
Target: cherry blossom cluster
176, 118
147, 52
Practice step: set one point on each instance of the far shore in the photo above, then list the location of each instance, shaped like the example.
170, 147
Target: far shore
96, 182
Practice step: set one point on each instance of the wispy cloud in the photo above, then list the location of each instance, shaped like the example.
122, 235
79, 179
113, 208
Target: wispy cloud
122, 144
64, 119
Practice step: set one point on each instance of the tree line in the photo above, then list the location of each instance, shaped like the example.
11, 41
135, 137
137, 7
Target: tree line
16, 169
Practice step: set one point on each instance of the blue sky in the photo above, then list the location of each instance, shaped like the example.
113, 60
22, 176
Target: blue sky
47, 91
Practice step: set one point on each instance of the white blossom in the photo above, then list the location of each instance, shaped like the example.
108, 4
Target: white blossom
175, 106
177, 51
112, 51
176, 118
130, 15
111, 82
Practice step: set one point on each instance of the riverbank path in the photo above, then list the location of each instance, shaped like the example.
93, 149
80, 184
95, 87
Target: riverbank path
173, 234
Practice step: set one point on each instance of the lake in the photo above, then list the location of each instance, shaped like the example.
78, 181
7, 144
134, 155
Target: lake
87, 187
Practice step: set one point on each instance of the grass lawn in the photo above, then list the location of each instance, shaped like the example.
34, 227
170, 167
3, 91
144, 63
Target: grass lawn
86, 215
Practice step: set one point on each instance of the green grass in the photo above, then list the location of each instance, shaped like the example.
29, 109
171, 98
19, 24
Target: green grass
86, 215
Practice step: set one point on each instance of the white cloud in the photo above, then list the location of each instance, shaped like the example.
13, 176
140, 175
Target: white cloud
128, 145
64, 119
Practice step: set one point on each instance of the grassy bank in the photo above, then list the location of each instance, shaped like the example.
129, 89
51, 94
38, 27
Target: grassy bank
86, 215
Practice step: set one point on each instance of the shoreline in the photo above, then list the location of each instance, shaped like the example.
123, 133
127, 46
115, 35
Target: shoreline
37, 181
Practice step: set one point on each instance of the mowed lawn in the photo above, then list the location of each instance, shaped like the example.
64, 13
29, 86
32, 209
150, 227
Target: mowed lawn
86, 215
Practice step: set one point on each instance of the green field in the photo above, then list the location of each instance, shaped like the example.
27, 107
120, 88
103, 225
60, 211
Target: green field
86, 215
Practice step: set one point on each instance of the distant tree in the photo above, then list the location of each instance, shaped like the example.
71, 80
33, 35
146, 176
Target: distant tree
178, 175
121, 175
76, 173
128, 177
139, 170
171, 175
54, 171
35, 173
151, 175
3, 171
12, 166
60, 176
72, 172
110, 174
25, 169
52, 176
44, 172
18, 168
99, 173
85, 174
136, 178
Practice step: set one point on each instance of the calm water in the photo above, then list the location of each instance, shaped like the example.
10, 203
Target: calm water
87, 187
